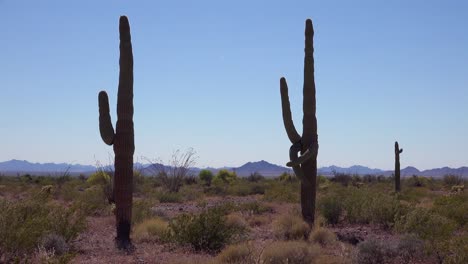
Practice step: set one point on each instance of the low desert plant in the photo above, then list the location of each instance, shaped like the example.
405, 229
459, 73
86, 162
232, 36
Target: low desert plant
24, 223
290, 252
237, 254
454, 207
151, 229
410, 248
55, 243
290, 227
206, 176
206, 231
331, 208
141, 210
374, 251
323, 236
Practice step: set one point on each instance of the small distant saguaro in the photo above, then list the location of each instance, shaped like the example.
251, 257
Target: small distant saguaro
123, 138
305, 165
398, 151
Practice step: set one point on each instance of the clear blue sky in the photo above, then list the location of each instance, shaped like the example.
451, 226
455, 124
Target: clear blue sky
207, 76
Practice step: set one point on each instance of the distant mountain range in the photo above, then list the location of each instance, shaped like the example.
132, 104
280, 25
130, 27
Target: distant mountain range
14, 167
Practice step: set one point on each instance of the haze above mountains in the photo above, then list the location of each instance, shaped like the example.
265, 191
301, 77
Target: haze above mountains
14, 167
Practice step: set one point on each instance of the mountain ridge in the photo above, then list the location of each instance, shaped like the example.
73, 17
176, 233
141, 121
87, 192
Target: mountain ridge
262, 167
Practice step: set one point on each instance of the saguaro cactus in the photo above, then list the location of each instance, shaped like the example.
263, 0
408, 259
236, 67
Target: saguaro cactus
123, 138
397, 167
304, 166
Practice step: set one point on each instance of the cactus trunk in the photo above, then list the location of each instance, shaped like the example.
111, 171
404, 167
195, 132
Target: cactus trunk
304, 166
123, 138
397, 167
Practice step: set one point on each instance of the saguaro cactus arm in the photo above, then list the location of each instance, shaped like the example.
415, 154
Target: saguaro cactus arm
287, 116
105, 124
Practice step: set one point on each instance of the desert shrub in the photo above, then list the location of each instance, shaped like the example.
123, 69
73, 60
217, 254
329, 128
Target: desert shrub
151, 229
240, 188
255, 177
54, 242
454, 207
458, 250
290, 227
237, 254
258, 220
290, 252
206, 231
369, 178
323, 236
98, 178
374, 251
452, 179
235, 220
169, 197
92, 201
342, 178
225, 177
435, 229
23, 223
206, 176
410, 248
254, 207
416, 181
141, 210
364, 206
288, 193
287, 177
331, 208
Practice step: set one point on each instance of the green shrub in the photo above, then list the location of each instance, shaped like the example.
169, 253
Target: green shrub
255, 177
454, 207
99, 178
287, 177
343, 178
92, 201
206, 176
206, 231
435, 229
290, 252
288, 193
23, 223
141, 210
254, 207
331, 208
290, 227
451, 179
169, 197
225, 176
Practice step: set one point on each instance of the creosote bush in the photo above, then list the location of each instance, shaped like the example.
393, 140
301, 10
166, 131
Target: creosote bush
24, 223
207, 231
331, 208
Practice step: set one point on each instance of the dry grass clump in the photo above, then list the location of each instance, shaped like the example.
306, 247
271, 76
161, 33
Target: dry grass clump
152, 229
237, 254
290, 252
258, 220
290, 227
323, 236
235, 220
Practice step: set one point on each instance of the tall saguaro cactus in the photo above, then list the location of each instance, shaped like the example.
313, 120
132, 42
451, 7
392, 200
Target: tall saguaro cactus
123, 138
398, 151
304, 166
